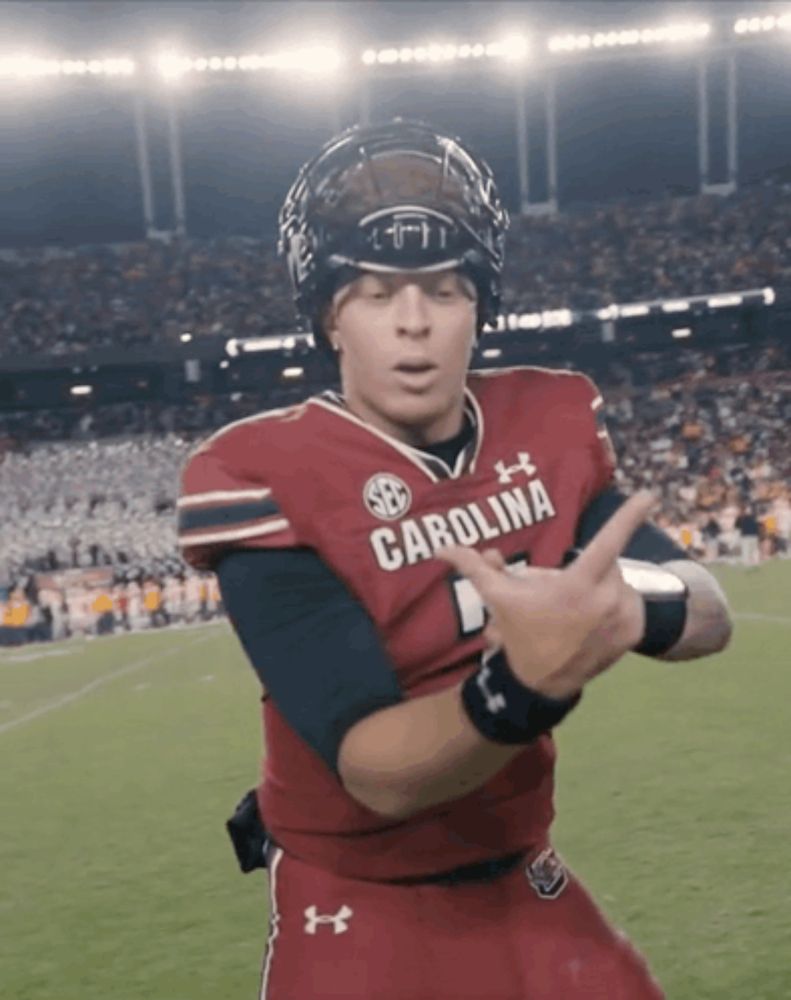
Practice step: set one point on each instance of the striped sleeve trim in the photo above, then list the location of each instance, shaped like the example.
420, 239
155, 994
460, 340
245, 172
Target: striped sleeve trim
215, 496
236, 534
227, 515
599, 415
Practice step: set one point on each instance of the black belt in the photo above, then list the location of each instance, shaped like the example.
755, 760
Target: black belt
252, 845
479, 871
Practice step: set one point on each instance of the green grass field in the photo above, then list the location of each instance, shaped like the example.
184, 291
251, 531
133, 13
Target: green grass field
121, 758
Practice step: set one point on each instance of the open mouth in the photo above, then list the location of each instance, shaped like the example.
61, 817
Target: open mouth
415, 367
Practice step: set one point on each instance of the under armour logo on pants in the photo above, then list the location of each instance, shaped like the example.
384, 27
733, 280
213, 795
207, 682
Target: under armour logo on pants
339, 920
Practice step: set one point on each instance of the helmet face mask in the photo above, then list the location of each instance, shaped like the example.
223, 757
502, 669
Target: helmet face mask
391, 198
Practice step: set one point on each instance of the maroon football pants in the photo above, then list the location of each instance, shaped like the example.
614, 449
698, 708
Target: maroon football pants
515, 937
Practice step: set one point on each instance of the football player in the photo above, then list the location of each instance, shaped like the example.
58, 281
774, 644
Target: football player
397, 560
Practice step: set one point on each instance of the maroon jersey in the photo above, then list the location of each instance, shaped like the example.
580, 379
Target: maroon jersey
375, 510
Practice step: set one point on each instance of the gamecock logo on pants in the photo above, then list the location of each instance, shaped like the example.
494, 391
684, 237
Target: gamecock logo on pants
547, 874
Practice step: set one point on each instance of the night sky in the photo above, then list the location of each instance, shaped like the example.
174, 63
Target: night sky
68, 171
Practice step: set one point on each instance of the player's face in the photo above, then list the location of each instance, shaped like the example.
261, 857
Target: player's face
404, 343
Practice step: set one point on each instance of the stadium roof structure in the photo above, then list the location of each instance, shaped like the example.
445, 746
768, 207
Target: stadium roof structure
518, 51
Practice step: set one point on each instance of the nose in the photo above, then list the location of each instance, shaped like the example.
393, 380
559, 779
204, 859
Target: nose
412, 314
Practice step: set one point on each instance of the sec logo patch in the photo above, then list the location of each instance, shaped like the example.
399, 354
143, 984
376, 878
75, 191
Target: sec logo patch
386, 496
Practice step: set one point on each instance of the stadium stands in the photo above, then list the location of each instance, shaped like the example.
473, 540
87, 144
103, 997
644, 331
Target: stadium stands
717, 437
57, 302
627, 251
90, 492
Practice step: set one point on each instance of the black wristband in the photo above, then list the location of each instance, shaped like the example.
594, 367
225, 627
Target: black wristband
664, 625
506, 711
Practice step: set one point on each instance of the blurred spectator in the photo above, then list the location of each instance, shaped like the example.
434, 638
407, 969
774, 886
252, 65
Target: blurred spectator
748, 528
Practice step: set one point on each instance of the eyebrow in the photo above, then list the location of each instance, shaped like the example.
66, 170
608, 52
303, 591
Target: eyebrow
387, 278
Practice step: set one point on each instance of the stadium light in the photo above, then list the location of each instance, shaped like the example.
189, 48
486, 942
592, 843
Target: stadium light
685, 31
295, 372
724, 301
681, 332
185, 338
22, 66
81, 390
510, 48
252, 345
324, 59
761, 25
632, 309
313, 60
171, 65
547, 320
556, 317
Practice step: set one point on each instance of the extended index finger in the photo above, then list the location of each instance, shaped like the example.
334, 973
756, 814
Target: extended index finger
611, 539
476, 567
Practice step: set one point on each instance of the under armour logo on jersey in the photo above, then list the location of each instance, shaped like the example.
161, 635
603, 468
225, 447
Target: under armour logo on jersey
339, 920
494, 702
505, 473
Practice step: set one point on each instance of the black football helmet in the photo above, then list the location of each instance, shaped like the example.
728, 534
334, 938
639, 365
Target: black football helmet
392, 197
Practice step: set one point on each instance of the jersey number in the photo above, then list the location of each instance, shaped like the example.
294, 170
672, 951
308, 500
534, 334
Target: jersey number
470, 609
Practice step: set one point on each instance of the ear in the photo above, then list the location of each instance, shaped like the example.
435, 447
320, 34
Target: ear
330, 328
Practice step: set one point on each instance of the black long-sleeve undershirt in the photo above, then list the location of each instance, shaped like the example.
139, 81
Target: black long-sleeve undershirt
313, 645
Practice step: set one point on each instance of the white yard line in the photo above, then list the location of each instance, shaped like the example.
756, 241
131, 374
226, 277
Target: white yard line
70, 696
35, 651
35, 654
62, 647
129, 668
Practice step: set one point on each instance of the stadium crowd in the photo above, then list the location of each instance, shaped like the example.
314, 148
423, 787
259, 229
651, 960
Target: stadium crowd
87, 542
706, 431
627, 251
59, 301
